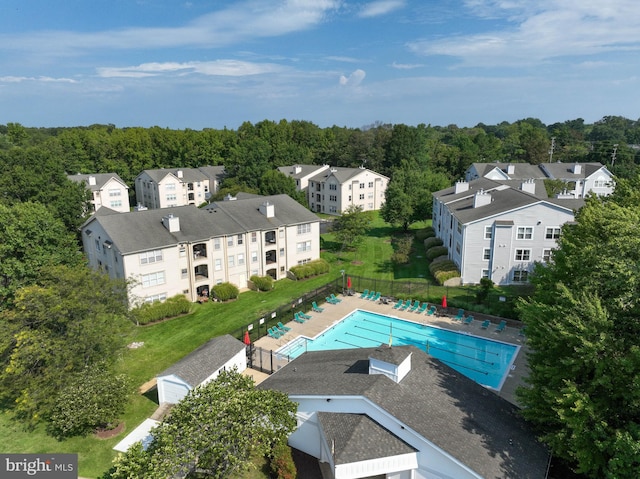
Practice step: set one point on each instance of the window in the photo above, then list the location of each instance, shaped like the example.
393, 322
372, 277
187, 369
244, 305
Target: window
155, 297
254, 237
239, 239
232, 261
306, 228
98, 246
216, 243
362, 196
150, 257
170, 187
520, 276
114, 192
459, 227
304, 246
281, 233
524, 233
115, 204
349, 198
332, 209
217, 264
254, 256
552, 233
282, 252
485, 273
240, 259
182, 251
370, 206
523, 254
371, 184
184, 273
486, 254
333, 187
152, 279
333, 198
600, 182
546, 255
230, 241
362, 186
488, 232
171, 197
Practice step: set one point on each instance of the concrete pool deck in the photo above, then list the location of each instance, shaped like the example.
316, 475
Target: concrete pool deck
335, 312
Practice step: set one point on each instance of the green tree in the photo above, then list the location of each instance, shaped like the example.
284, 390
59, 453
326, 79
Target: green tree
215, 430
408, 195
583, 329
273, 182
31, 238
351, 226
70, 319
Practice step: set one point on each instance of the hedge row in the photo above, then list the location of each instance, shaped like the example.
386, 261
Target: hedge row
152, 312
443, 270
225, 291
402, 249
425, 233
435, 251
263, 283
313, 268
282, 465
431, 242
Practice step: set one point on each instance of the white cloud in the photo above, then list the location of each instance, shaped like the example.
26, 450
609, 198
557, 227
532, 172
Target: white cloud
406, 66
43, 79
233, 68
550, 30
380, 7
354, 79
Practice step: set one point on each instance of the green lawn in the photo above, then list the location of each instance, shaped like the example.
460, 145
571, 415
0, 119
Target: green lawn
166, 342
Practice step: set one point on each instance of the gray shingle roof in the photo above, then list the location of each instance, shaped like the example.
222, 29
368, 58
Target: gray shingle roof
564, 171
101, 179
469, 422
341, 174
304, 170
204, 361
188, 174
357, 437
143, 230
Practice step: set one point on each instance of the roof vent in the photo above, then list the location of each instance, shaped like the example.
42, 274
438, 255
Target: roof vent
395, 363
528, 186
172, 223
297, 169
92, 181
180, 174
481, 198
577, 169
461, 187
511, 169
267, 209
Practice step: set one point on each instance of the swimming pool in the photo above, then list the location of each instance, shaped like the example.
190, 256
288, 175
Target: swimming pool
483, 360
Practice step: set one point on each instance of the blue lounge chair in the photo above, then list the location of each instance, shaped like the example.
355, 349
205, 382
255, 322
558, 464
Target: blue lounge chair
316, 308
370, 295
485, 324
282, 327
432, 310
501, 326
364, 294
376, 297
398, 304
330, 301
337, 300
468, 319
460, 315
274, 333
304, 315
414, 306
405, 305
298, 319
422, 308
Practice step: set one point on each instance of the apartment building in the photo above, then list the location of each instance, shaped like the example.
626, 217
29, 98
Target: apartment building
187, 250
171, 187
107, 189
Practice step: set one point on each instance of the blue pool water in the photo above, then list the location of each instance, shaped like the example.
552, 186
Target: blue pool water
483, 360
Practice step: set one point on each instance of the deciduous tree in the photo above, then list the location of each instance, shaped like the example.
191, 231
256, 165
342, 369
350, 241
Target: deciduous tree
351, 226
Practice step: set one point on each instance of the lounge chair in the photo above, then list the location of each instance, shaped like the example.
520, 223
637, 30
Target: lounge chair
364, 294
298, 319
405, 305
422, 308
460, 315
316, 308
468, 319
304, 315
370, 295
274, 333
337, 300
398, 304
501, 326
485, 324
413, 307
282, 327
376, 297
330, 301
432, 310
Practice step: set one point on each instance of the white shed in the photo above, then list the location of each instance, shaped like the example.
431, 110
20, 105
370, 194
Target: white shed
200, 367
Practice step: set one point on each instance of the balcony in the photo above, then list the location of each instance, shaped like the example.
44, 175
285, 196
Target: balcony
270, 237
199, 251
271, 257
201, 272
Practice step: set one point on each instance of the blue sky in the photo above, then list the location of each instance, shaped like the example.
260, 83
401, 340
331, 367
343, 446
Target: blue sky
216, 63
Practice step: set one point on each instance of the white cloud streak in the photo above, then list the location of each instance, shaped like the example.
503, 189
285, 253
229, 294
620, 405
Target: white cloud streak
381, 7
229, 68
354, 79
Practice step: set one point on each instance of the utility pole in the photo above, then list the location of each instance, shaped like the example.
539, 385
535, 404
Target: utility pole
613, 155
553, 145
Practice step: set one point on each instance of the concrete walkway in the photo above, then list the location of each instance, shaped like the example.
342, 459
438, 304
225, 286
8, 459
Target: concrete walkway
335, 312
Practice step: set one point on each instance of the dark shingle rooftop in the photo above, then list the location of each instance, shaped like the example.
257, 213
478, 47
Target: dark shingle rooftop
204, 361
469, 422
101, 179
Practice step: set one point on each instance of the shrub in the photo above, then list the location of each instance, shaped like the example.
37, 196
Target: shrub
282, 465
313, 268
152, 312
435, 251
263, 283
431, 242
425, 233
443, 270
225, 291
